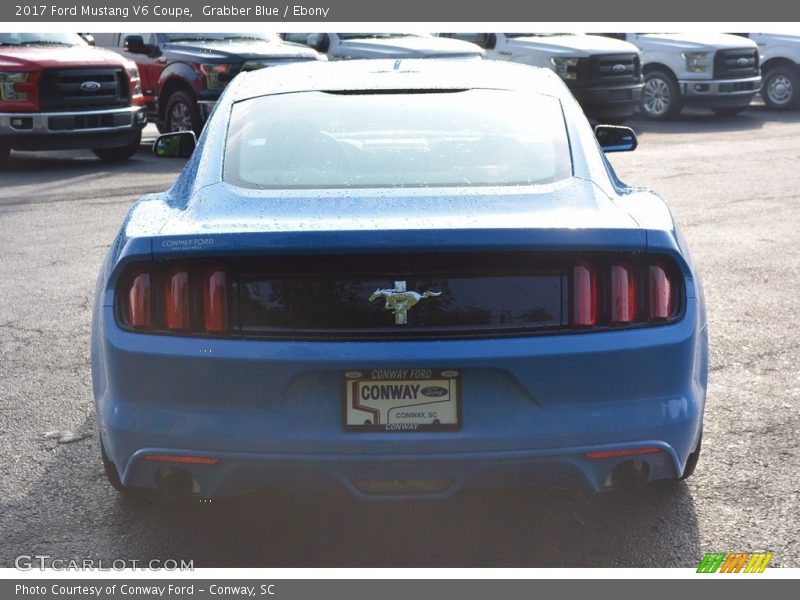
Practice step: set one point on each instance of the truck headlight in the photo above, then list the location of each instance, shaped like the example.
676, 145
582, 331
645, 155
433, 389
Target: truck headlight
697, 62
9, 87
136, 81
565, 66
218, 76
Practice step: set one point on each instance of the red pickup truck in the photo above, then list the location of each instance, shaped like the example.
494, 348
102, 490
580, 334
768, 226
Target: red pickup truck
59, 93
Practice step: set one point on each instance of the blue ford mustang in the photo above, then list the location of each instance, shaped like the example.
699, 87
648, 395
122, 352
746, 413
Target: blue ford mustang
403, 278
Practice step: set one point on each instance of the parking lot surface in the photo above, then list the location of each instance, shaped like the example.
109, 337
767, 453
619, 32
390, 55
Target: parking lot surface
734, 187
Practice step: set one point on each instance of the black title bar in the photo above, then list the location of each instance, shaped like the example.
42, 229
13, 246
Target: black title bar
732, 587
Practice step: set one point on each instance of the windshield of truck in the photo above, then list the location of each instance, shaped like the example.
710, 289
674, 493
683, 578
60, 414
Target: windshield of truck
517, 35
41, 39
429, 138
219, 37
361, 36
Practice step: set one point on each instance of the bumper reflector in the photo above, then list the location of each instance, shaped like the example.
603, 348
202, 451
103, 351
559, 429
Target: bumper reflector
617, 453
194, 460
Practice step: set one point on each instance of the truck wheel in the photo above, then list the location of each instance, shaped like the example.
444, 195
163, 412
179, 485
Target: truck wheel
4, 152
182, 114
780, 88
661, 98
728, 111
118, 154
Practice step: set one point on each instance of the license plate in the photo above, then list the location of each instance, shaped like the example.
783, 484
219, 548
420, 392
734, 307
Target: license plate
402, 400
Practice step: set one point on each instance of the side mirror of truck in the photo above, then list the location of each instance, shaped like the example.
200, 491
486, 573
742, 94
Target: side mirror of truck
135, 45
488, 41
615, 138
179, 144
320, 42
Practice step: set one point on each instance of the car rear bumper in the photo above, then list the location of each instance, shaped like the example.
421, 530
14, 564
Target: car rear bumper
403, 475
270, 412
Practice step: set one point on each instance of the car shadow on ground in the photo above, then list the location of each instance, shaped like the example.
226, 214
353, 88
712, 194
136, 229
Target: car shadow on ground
78, 514
50, 166
695, 120
49, 173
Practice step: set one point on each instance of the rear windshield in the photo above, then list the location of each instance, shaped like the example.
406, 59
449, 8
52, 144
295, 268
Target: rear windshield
320, 140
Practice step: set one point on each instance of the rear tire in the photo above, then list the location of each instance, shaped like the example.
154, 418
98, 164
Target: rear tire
119, 154
661, 97
691, 462
182, 114
111, 472
780, 88
728, 111
4, 153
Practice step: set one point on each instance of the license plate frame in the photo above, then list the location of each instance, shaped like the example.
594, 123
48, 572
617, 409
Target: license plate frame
425, 396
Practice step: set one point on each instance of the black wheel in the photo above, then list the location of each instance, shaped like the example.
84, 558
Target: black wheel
182, 114
661, 98
4, 152
112, 473
728, 111
780, 88
119, 154
691, 462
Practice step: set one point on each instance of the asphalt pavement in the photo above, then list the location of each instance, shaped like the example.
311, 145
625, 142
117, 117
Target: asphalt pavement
733, 185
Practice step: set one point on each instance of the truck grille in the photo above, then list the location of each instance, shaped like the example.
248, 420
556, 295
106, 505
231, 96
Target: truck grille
90, 121
610, 69
735, 64
83, 89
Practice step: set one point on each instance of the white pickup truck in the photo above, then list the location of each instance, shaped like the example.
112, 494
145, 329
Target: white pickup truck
340, 46
603, 74
780, 69
718, 71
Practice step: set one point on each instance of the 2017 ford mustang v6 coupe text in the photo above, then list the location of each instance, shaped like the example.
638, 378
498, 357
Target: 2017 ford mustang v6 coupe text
403, 278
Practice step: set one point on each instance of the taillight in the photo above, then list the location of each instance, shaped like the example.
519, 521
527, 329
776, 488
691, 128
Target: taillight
595, 292
623, 294
584, 295
215, 301
661, 296
138, 308
177, 301
184, 299
606, 292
